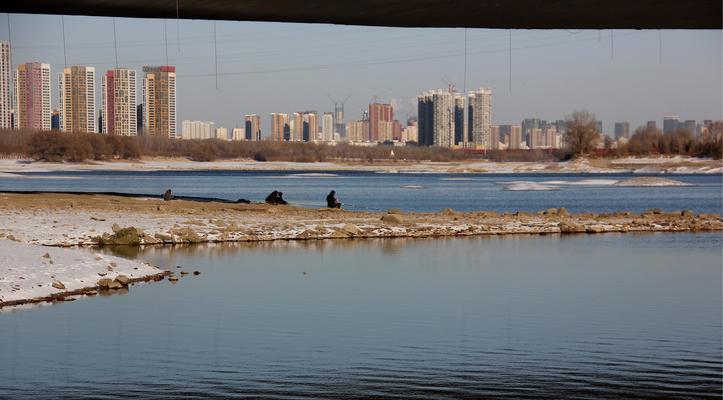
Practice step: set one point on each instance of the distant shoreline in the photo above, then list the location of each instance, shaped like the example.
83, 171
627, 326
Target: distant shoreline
641, 165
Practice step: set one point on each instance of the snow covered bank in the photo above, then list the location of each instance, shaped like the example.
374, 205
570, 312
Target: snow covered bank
31, 273
647, 181
653, 165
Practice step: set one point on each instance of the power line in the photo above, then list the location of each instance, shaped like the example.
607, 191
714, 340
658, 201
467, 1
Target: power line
115, 44
165, 37
65, 56
215, 53
509, 72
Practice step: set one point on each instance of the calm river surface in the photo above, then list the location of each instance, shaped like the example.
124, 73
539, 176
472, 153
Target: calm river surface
406, 191
591, 316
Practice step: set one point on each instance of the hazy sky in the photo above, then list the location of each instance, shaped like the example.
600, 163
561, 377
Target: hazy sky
281, 67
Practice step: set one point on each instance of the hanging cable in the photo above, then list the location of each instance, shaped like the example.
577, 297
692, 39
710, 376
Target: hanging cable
65, 55
115, 44
215, 53
165, 38
509, 72
178, 27
465, 127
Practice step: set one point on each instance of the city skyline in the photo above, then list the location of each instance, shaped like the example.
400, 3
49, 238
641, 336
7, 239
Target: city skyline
244, 86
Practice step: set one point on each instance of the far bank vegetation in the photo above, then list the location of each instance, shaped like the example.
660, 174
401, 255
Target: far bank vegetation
77, 147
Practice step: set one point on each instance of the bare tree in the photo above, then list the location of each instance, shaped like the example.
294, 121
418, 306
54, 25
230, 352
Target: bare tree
581, 133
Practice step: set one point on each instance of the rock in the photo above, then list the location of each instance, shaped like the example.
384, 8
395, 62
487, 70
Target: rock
448, 212
187, 235
115, 285
160, 208
104, 283
173, 278
122, 279
351, 229
197, 272
686, 213
566, 227
562, 211
392, 219
58, 285
163, 236
46, 255
115, 228
551, 211
595, 229
654, 211
307, 234
394, 211
123, 236
184, 272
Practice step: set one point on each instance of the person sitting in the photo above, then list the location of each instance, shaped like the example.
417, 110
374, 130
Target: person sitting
276, 197
331, 200
271, 198
280, 198
168, 195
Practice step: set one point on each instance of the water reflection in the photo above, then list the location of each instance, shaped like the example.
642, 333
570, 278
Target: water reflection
589, 316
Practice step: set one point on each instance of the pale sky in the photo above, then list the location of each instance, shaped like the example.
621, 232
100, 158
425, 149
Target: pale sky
284, 67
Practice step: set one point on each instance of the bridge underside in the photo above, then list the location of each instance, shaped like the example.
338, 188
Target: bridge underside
513, 14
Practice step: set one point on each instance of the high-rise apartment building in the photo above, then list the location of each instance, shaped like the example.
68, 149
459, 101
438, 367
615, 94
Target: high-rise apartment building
651, 125
339, 126
198, 130
6, 98
515, 137
670, 123
327, 127
32, 96
221, 133
310, 129
77, 99
436, 118
159, 100
459, 120
297, 127
379, 113
238, 134
550, 140
280, 127
480, 117
119, 102
252, 125
358, 131
495, 137
622, 130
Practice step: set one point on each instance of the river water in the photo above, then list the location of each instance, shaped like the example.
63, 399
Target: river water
590, 316
406, 191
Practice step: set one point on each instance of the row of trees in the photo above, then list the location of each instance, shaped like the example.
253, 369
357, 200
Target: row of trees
74, 147
582, 138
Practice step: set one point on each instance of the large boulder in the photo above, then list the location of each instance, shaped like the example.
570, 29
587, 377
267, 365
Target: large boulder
123, 236
104, 283
123, 280
567, 227
351, 229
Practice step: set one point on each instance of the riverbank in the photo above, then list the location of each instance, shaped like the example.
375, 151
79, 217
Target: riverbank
66, 220
10, 168
30, 272
35, 274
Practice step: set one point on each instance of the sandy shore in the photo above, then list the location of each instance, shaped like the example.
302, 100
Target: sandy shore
72, 220
33, 273
649, 165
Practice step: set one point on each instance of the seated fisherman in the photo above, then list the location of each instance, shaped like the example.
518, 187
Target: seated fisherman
331, 200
